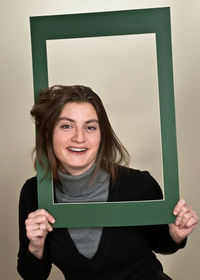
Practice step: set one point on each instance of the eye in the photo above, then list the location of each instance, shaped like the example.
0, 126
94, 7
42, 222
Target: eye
66, 126
91, 128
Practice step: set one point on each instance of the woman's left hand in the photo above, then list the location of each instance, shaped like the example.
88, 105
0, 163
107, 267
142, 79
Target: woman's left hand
185, 223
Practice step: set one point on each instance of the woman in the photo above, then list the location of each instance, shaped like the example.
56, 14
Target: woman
88, 163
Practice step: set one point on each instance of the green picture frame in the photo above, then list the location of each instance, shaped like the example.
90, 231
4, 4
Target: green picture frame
144, 21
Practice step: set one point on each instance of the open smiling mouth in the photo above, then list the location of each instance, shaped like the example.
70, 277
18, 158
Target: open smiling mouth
77, 150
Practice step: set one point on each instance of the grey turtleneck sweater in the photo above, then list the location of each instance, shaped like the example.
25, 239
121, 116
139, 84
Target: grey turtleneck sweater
83, 188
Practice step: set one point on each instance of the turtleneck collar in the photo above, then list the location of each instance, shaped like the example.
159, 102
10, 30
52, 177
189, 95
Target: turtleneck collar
82, 187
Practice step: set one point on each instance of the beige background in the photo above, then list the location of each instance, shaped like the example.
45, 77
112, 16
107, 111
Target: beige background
17, 130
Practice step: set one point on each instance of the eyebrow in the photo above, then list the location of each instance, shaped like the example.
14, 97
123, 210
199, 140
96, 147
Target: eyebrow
73, 121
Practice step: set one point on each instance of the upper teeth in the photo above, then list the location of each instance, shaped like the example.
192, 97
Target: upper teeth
77, 149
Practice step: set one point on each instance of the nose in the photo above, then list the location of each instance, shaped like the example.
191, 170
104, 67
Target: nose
78, 136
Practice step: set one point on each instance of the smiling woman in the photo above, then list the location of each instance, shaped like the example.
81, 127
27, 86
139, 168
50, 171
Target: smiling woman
52, 116
88, 164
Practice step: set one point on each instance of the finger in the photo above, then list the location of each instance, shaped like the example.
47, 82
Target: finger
183, 215
31, 227
37, 220
193, 220
36, 231
49, 228
178, 206
46, 227
40, 212
48, 215
186, 217
37, 226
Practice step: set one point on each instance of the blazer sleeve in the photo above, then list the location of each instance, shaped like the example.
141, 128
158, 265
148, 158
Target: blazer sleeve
30, 267
161, 241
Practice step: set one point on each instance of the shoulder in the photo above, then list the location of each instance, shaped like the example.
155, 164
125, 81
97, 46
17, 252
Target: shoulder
137, 185
30, 186
28, 195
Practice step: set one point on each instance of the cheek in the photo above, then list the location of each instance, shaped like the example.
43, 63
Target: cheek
57, 141
97, 142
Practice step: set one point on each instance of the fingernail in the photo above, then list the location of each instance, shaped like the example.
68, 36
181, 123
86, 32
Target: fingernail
175, 212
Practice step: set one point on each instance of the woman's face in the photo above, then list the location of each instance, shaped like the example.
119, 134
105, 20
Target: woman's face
76, 137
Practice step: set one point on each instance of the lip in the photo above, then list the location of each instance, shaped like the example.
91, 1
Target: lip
77, 149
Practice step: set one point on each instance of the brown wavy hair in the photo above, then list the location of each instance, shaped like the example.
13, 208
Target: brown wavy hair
46, 112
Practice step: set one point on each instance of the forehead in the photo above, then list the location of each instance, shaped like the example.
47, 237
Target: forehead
78, 110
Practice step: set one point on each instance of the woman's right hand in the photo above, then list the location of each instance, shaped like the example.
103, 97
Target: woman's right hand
38, 225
